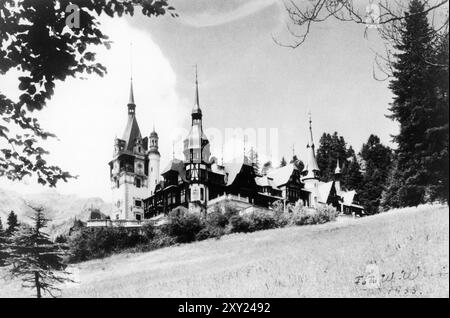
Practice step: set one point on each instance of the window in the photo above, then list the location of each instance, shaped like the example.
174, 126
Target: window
202, 194
117, 183
137, 182
138, 203
138, 217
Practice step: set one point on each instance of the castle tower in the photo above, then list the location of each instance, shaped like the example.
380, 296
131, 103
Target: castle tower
311, 170
153, 161
129, 180
197, 156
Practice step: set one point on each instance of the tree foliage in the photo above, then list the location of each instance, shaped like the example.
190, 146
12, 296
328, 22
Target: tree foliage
420, 106
377, 160
331, 148
38, 44
13, 223
35, 259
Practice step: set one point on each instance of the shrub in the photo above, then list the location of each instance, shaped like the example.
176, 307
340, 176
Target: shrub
238, 224
148, 230
184, 228
261, 220
216, 219
210, 232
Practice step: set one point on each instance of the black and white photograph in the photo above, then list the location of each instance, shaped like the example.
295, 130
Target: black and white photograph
241, 150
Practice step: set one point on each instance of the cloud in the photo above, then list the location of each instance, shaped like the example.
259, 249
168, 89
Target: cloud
86, 115
208, 19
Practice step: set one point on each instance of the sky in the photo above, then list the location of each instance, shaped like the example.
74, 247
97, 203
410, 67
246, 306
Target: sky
246, 81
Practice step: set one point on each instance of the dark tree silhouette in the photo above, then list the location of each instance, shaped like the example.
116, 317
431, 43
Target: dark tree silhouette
420, 106
35, 259
13, 223
37, 42
377, 160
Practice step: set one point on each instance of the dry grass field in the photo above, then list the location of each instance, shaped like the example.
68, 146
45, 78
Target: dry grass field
409, 247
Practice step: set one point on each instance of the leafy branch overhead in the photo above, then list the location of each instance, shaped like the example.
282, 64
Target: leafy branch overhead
37, 43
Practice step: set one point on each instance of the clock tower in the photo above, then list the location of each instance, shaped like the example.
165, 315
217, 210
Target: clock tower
197, 158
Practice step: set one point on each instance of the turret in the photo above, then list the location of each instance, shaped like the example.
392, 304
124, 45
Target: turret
311, 170
154, 158
337, 177
197, 155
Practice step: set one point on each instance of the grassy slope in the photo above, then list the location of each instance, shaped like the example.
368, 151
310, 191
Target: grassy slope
309, 261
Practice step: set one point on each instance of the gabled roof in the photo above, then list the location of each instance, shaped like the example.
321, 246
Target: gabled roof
233, 168
282, 175
348, 196
324, 190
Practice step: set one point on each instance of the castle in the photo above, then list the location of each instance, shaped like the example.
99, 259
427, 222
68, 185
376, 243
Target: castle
141, 190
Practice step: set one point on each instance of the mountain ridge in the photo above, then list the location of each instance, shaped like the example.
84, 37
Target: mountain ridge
61, 209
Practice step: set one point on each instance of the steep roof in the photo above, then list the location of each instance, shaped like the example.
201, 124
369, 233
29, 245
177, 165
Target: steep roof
176, 165
233, 168
282, 175
132, 132
324, 190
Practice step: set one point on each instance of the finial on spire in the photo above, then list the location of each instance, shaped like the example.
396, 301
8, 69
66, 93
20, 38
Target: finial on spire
310, 137
131, 104
197, 101
173, 149
131, 99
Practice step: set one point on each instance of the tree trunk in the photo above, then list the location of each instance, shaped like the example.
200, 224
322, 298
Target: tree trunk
37, 284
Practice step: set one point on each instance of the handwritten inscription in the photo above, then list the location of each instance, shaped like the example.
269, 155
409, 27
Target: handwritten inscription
396, 282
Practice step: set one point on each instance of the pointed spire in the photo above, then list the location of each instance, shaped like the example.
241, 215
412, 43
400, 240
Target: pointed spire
311, 166
196, 111
197, 101
338, 168
310, 136
131, 99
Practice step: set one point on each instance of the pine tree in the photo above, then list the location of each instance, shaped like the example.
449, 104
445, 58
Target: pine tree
3, 245
423, 117
377, 160
283, 162
390, 196
352, 177
331, 147
13, 223
266, 168
436, 162
253, 156
297, 163
35, 259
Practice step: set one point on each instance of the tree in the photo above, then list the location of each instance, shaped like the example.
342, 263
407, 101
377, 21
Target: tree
297, 163
13, 223
266, 168
283, 162
423, 137
331, 148
37, 41
253, 157
3, 245
35, 259
352, 177
377, 160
